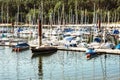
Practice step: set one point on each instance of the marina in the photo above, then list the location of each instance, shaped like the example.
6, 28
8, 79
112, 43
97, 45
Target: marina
59, 47
59, 40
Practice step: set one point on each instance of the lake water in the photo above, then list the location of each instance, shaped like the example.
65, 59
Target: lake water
62, 65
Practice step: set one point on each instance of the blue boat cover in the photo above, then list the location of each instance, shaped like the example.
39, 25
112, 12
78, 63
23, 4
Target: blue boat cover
118, 46
97, 39
22, 44
20, 29
115, 31
68, 30
70, 38
90, 51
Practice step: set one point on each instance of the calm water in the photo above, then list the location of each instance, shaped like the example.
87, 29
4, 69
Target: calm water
62, 65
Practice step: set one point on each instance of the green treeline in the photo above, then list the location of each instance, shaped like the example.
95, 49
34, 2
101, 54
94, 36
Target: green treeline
59, 11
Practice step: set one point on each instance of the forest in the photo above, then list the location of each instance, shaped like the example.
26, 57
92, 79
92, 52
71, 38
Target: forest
59, 11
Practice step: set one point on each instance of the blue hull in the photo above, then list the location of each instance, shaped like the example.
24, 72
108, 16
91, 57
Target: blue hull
90, 52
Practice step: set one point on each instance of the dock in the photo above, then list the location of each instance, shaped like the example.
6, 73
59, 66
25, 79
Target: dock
79, 49
100, 51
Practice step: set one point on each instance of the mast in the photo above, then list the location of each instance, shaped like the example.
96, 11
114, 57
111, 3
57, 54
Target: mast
34, 16
7, 16
94, 16
99, 20
18, 13
12, 26
58, 17
39, 33
71, 12
2, 13
76, 11
63, 15
81, 17
85, 12
41, 12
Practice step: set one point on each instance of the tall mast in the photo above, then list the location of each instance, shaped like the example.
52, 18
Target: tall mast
76, 11
63, 15
39, 32
108, 18
94, 16
7, 14
58, 18
18, 14
2, 12
81, 17
42, 12
85, 21
34, 15
99, 20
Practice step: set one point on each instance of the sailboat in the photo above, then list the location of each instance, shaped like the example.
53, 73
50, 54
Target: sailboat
42, 49
90, 50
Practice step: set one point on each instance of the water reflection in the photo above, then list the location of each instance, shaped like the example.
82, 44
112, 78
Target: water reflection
40, 67
17, 66
63, 65
66, 65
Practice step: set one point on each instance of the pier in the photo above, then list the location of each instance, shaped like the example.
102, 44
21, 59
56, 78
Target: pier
100, 51
79, 49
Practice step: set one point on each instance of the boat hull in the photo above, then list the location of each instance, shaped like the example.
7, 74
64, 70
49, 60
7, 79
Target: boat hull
90, 52
43, 50
19, 49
